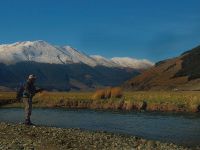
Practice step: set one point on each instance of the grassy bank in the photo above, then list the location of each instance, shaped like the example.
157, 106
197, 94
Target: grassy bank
7, 98
187, 101
14, 137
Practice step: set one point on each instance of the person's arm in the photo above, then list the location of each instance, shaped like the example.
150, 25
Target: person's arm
39, 90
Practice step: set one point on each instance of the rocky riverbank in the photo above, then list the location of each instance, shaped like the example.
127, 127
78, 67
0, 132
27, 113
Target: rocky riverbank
17, 136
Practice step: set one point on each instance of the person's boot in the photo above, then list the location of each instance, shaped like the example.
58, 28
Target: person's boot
28, 122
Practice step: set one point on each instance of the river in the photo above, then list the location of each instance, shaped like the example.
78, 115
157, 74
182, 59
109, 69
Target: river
179, 128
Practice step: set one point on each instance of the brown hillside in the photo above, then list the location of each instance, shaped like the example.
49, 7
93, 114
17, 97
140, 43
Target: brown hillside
180, 73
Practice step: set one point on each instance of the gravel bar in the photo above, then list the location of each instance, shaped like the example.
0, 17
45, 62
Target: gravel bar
19, 136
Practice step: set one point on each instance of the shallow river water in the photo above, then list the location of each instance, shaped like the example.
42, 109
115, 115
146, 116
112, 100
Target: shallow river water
179, 128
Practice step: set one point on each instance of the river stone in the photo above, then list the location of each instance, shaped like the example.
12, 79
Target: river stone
151, 144
47, 137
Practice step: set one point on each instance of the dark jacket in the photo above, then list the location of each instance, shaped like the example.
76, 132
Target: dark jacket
29, 89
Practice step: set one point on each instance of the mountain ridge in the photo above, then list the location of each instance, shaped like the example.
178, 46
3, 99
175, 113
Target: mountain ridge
43, 52
178, 73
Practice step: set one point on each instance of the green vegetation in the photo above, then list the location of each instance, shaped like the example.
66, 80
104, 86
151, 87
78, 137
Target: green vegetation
188, 101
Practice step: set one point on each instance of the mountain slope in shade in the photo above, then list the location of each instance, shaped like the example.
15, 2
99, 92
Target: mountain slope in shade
63, 77
180, 73
43, 52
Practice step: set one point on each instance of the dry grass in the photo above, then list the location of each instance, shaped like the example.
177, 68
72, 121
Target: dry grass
166, 100
154, 100
62, 99
108, 93
116, 92
99, 94
7, 97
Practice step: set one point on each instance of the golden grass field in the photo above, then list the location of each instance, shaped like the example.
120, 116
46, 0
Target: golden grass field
188, 101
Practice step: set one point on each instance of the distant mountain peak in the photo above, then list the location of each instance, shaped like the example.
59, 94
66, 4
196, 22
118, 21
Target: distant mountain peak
28, 43
132, 62
42, 51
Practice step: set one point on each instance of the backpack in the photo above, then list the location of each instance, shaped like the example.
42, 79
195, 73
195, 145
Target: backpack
20, 91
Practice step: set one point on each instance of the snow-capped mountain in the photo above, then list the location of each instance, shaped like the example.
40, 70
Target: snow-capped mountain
102, 61
43, 52
132, 63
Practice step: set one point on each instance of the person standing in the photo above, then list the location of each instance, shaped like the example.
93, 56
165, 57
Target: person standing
28, 94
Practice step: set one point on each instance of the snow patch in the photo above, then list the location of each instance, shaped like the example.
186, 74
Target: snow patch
132, 62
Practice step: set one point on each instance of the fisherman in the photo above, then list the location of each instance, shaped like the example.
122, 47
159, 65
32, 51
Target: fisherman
28, 93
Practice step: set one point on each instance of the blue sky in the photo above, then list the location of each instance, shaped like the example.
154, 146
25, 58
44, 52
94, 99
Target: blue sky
151, 29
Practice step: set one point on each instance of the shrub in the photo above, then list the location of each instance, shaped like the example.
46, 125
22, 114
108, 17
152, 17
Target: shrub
108, 93
116, 92
99, 94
